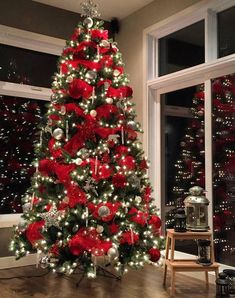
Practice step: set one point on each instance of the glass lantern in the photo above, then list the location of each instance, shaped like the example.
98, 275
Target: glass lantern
180, 221
196, 206
231, 278
204, 252
222, 285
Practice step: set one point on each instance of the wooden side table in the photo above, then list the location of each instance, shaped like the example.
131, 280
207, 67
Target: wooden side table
186, 265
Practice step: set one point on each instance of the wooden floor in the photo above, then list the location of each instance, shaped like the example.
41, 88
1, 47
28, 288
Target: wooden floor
145, 283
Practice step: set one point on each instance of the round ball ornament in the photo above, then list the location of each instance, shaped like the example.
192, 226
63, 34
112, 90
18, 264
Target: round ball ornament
69, 79
109, 100
112, 253
132, 124
138, 199
116, 72
106, 85
99, 229
44, 262
78, 161
103, 211
58, 134
200, 113
26, 207
91, 75
93, 113
63, 110
88, 22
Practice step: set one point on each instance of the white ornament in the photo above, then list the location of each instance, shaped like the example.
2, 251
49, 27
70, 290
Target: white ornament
78, 161
112, 253
63, 110
91, 75
138, 199
106, 85
44, 262
88, 22
99, 229
69, 79
93, 113
58, 134
116, 72
109, 100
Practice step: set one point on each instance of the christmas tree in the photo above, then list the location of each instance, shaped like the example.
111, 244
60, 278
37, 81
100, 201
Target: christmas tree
90, 197
190, 165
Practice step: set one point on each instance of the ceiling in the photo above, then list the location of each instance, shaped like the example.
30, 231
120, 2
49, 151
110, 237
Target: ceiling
108, 8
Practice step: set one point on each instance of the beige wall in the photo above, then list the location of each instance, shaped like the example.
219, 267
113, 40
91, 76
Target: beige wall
130, 40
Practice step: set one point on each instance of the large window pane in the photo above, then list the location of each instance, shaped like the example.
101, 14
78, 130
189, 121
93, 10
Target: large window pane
182, 49
26, 67
226, 32
223, 92
18, 126
184, 151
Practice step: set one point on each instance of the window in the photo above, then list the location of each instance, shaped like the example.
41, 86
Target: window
191, 99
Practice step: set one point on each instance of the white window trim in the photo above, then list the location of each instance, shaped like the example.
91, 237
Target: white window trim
203, 73
35, 42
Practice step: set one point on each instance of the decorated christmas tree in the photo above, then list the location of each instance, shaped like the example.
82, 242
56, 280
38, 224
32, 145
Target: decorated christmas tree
90, 199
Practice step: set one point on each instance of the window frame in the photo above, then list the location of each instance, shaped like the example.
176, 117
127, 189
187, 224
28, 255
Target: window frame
154, 86
35, 42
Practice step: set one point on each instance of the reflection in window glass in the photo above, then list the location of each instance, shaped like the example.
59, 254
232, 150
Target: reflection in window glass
226, 32
184, 154
24, 66
182, 49
223, 96
18, 125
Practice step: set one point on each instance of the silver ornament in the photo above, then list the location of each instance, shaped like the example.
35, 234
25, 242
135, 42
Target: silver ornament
52, 217
109, 100
138, 199
106, 85
105, 43
78, 161
88, 22
134, 181
91, 75
99, 229
69, 79
116, 72
58, 134
112, 253
44, 262
132, 124
26, 207
103, 211
93, 113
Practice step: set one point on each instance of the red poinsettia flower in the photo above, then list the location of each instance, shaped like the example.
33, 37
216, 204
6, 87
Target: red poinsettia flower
119, 181
129, 237
100, 171
138, 217
106, 111
154, 254
128, 162
79, 88
75, 195
113, 228
33, 232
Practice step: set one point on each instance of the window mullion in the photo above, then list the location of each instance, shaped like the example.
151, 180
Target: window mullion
211, 36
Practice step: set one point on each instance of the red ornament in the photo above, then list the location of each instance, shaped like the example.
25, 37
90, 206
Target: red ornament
75, 195
33, 232
143, 164
128, 162
113, 228
147, 194
154, 254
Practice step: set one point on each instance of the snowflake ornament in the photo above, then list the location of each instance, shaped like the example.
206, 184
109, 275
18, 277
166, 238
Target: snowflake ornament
89, 9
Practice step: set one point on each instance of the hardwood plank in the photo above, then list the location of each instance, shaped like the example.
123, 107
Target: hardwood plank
144, 283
